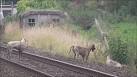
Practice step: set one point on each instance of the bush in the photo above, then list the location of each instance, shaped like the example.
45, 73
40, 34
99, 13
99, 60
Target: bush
83, 17
118, 50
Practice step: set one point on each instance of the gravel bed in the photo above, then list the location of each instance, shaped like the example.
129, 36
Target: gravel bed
8, 69
120, 72
52, 70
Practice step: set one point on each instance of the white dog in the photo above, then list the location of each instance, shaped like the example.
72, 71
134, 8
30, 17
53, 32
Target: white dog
111, 62
17, 43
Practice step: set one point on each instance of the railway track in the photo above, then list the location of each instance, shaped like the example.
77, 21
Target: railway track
68, 66
64, 65
37, 72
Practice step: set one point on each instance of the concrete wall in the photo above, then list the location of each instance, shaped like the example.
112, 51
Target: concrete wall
42, 19
25, 20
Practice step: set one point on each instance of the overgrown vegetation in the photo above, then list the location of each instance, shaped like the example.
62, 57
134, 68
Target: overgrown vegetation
118, 49
60, 39
24, 5
12, 32
126, 31
119, 16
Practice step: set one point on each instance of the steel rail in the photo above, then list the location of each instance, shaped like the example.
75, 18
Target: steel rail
27, 67
65, 65
68, 66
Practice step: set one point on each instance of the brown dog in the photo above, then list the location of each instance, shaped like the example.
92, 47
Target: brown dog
82, 51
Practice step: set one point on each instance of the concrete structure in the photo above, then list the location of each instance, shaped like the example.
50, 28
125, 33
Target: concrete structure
8, 7
9, 10
42, 17
1, 20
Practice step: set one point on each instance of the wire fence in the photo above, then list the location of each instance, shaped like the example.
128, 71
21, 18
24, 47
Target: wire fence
122, 42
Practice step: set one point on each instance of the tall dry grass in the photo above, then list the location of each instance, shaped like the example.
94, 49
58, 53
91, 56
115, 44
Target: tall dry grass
12, 32
56, 40
52, 39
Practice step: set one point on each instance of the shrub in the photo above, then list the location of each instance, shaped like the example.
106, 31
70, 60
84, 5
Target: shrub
118, 49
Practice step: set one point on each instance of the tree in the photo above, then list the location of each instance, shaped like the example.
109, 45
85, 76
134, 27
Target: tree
24, 5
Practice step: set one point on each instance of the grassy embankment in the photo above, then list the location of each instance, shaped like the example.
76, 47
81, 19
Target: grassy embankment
58, 40
128, 33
